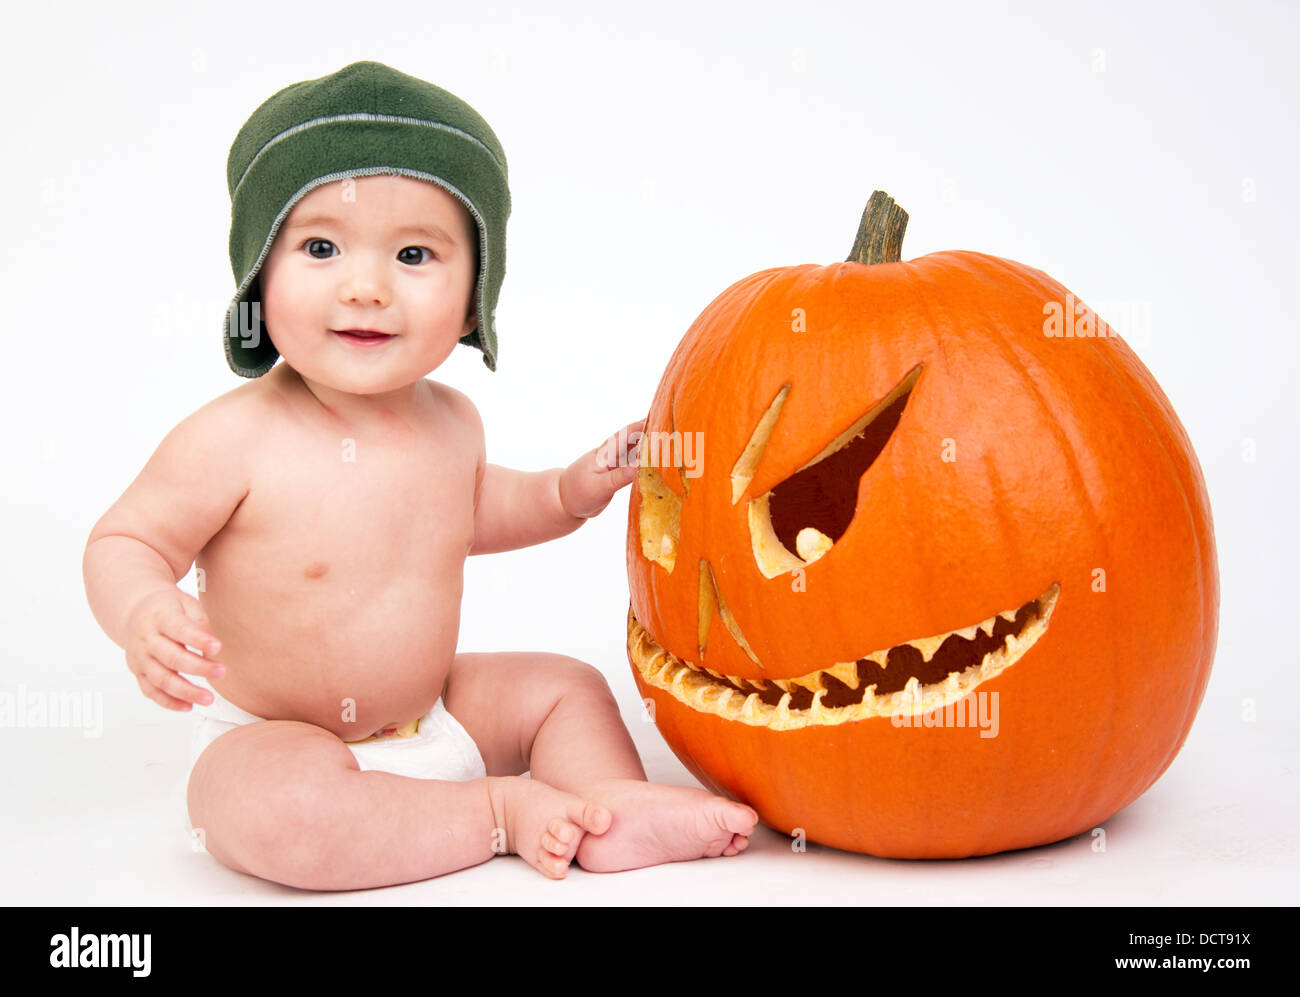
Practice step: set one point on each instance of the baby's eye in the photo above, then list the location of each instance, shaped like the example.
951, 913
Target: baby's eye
416, 249
318, 242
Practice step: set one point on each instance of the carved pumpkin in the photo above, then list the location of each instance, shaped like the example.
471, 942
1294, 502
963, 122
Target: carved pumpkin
912, 572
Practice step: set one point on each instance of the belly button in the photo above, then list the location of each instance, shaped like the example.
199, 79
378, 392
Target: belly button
316, 570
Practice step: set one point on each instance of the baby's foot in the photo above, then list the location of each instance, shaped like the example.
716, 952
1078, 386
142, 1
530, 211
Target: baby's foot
543, 825
655, 823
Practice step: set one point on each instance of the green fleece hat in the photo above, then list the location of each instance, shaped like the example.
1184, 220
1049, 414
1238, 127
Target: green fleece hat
365, 119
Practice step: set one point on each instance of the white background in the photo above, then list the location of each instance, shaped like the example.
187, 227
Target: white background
1139, 153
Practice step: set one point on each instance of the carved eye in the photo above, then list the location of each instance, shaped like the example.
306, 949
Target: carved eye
801, 519
660, 522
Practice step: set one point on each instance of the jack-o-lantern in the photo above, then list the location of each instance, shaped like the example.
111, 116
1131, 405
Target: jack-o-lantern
921, 559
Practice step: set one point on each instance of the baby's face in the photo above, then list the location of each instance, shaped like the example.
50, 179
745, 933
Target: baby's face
381, 253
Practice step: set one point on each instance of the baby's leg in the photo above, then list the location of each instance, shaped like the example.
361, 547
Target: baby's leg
555, 716
286, 801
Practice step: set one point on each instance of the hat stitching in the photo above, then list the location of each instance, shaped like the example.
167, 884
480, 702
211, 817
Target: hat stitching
360, 116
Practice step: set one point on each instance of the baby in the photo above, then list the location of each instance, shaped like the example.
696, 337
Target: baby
329, 504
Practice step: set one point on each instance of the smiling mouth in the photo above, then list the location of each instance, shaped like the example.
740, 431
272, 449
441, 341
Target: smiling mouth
362, 335
910, 678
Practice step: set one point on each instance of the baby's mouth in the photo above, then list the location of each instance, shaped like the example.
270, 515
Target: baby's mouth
363, 336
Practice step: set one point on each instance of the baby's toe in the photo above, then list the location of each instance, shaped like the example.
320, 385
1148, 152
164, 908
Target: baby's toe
592, 817
551, 865
552, 845
737, 845
561, 837
739, 819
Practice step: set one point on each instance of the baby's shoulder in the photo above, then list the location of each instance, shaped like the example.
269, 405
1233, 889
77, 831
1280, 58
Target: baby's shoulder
235, 410
459, 403
216, 434
225, 410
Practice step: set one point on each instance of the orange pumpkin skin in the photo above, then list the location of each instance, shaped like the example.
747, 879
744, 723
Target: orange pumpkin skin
1020, 460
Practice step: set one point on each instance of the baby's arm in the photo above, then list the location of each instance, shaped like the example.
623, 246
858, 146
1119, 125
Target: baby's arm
514, 509
147, 540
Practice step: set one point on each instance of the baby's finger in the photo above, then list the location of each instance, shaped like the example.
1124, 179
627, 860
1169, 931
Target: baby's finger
183, 630
173, 685
180, 659
158, 696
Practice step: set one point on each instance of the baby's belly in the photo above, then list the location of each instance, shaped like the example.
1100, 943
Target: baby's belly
355, 659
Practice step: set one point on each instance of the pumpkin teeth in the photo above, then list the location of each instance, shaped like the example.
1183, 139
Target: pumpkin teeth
870, 698
811, 544
701, 698
928, 645
678, 679
706, 691
664, 667
816, 711
845, 672
783, 710
813, 682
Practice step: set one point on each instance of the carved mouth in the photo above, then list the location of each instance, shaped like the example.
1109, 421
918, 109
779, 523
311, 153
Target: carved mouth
910, 678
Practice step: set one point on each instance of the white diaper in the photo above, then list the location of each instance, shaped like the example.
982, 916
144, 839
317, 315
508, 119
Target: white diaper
440, 748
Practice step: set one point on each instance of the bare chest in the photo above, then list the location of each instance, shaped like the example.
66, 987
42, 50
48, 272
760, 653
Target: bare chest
335, 515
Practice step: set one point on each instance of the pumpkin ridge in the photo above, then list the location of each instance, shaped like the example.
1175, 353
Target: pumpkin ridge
730, 344
1123, 377
1021, 362
1196, 690
922, 293
1081, 485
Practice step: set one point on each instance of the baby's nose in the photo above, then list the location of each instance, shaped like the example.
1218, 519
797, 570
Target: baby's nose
366, 283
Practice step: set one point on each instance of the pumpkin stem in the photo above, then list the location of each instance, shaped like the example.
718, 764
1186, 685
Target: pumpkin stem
880, 233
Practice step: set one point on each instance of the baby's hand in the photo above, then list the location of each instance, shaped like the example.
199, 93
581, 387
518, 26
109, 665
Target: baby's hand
158, 629
590, 482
